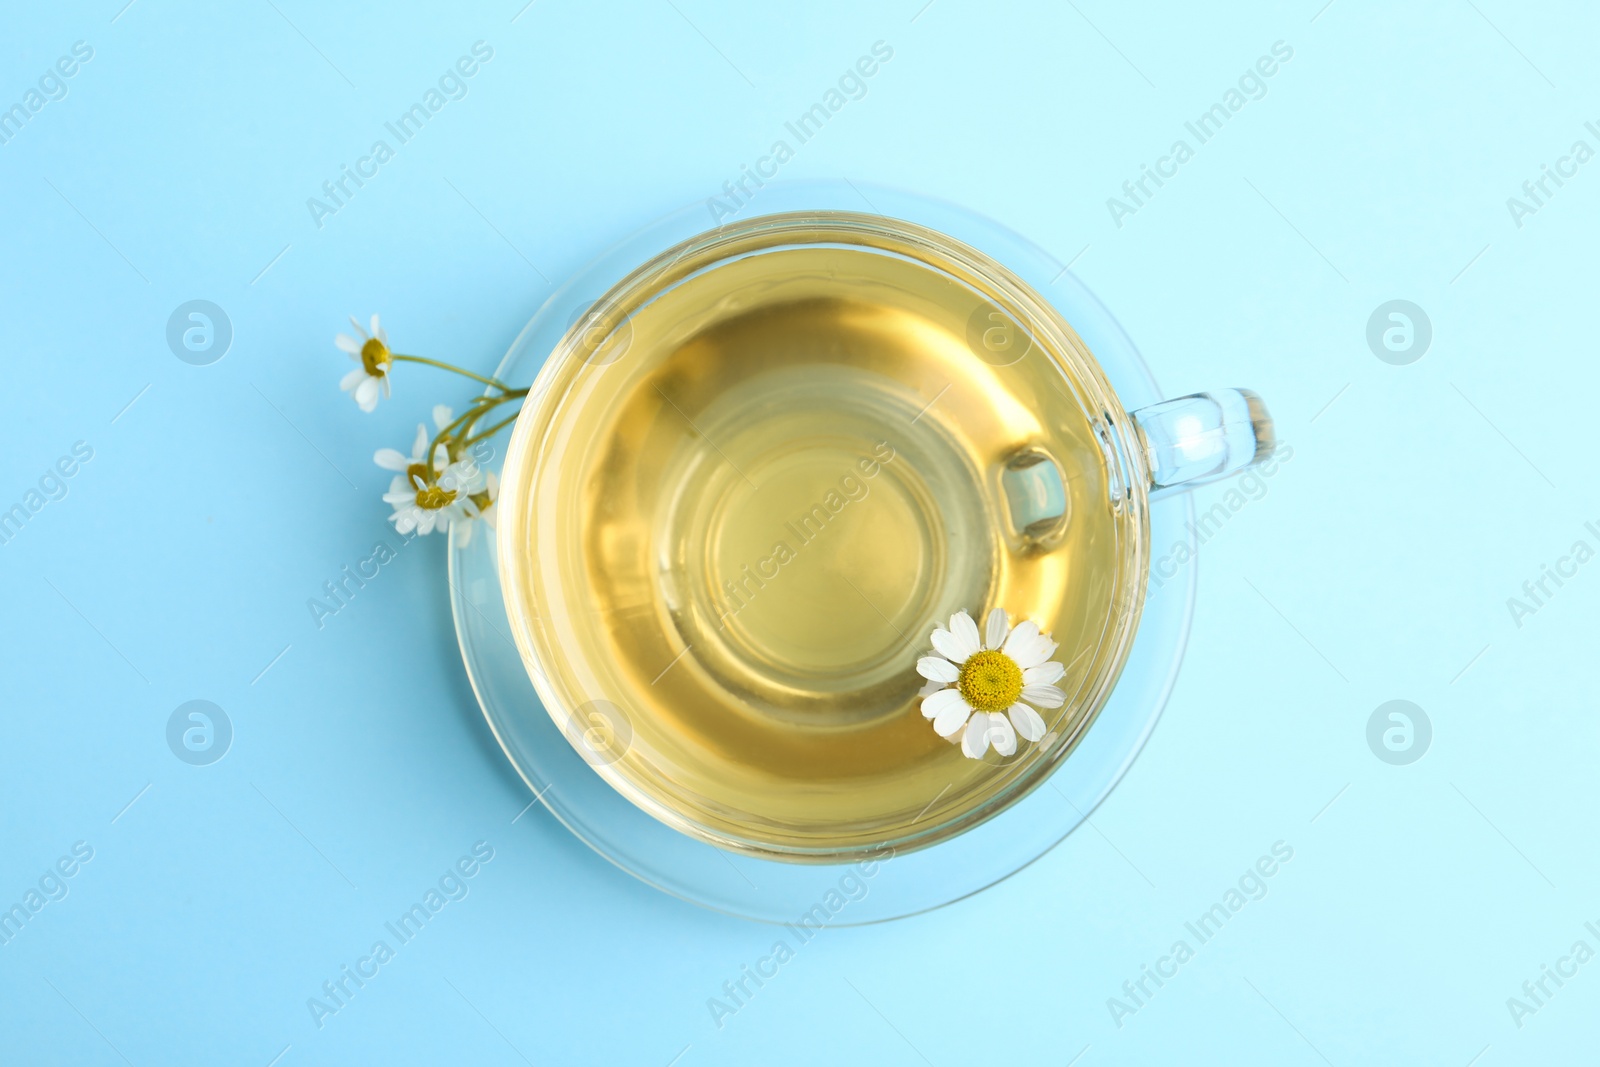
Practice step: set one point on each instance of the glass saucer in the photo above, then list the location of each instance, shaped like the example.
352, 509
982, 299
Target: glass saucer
810, 894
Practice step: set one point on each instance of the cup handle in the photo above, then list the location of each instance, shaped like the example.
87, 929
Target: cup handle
1202, 437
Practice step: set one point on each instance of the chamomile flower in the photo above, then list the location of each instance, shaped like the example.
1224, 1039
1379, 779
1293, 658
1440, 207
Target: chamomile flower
988, 683
425, 506
372, 352
391, 459
485, 500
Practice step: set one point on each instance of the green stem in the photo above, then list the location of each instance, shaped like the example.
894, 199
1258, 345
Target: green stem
463, 422
491, 431
480, 406
454, 369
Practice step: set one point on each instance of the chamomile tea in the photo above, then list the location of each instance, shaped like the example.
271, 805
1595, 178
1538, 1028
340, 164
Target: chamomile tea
755, 481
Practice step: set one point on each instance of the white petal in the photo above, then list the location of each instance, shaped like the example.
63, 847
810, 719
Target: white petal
966, 631
367, 394
385, 380
377, 331
976, 740
466, 533
351, 380
951, 719
996, 629
1025, 632
489, 516
1033, 653
950, 646
1002, 736
938, 669
928, 688
1043, 674
390, 460
426, 521
462, 477
345, 343
404, 522
359, 331
419, 444
1046, 696
442, 416
1027, 721
943, 699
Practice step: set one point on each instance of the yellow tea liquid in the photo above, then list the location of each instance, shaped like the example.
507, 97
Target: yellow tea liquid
758, 497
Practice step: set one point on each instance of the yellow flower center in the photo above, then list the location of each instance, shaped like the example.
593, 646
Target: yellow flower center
417, 472
990, 681
375, 357
432, 498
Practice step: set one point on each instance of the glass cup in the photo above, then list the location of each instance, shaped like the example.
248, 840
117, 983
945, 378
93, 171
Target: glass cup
921, 432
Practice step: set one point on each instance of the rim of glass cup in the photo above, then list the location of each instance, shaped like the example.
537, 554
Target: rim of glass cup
1127, 472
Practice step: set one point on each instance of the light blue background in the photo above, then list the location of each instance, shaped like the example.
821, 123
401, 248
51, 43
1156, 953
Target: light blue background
1377, 565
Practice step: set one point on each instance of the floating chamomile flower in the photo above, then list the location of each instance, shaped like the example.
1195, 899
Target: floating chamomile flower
1004, 671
